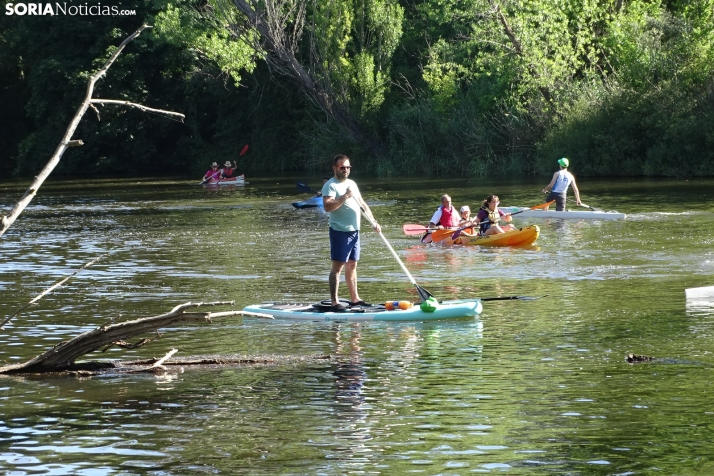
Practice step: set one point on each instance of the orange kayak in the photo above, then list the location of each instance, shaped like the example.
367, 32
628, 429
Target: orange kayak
520, 237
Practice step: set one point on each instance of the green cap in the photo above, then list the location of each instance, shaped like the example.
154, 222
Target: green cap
429, 305
563, 162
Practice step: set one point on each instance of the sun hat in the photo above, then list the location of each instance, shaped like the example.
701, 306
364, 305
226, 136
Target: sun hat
228, 163
465, 208
563, 162
214, 164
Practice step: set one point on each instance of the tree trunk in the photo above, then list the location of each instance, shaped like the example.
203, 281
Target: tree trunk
265, 17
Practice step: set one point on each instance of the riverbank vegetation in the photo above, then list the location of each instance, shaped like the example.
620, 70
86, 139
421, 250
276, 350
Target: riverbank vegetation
404, 87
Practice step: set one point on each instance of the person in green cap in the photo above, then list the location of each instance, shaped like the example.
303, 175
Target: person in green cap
558, 186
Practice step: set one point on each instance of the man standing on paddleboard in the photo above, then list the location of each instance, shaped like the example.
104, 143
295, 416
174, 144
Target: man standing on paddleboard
562, 179
342, 201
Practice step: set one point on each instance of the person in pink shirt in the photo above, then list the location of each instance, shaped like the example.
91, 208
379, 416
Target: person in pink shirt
213, 174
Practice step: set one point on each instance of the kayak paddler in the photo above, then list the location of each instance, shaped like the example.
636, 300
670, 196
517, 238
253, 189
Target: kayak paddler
214, 173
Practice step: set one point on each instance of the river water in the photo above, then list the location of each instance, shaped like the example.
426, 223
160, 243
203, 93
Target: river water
528, 387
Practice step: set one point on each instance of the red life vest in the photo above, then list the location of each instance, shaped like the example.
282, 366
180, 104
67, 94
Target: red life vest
449, 219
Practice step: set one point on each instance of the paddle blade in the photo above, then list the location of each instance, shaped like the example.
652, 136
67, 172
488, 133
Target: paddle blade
305, 188
509, 298
244, 150
500, 298
414, 229
542, 205
457, 233
423, 293
441, 235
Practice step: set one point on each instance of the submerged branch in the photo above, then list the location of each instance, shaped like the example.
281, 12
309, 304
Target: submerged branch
63, 355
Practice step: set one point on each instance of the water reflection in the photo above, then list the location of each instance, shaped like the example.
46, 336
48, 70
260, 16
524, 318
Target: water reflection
531, 387
350, 372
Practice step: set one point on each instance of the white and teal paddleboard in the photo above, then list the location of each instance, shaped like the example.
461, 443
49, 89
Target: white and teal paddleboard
568, 214
319, 312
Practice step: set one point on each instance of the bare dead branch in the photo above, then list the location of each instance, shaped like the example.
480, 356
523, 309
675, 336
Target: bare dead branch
138, 106
7, 221
63, 355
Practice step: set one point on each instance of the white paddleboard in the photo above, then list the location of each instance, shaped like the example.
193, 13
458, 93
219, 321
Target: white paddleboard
567, 214
706, 292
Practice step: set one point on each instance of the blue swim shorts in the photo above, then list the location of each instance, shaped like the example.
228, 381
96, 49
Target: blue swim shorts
344, 246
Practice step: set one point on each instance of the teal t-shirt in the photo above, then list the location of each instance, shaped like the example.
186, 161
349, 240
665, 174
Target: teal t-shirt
347, 217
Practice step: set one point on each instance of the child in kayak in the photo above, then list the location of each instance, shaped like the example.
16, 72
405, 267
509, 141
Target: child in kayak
466, 220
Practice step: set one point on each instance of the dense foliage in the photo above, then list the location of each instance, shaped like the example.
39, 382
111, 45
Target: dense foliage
443, 86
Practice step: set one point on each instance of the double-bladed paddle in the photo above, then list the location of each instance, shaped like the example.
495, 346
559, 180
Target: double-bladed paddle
436, 236
423, 293
209, 178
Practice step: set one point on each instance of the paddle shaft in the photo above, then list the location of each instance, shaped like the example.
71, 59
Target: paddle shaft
419, 289
209, 178
457, 232
499, 298
413, 229
306, 188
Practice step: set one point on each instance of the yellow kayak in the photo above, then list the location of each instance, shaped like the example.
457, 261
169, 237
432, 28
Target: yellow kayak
520, 237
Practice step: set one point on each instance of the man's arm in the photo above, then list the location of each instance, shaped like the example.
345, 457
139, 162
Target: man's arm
576, 191
331, 203
435, 219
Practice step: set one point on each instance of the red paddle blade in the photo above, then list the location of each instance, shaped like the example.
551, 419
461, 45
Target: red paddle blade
244, 149
412, 229
441, 235
542, 205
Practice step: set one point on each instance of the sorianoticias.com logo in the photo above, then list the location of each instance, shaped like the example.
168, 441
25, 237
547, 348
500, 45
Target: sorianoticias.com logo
64, 8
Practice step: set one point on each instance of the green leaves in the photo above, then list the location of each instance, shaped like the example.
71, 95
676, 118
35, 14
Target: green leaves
187, 28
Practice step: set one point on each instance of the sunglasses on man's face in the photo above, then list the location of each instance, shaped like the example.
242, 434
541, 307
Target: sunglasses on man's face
345, 167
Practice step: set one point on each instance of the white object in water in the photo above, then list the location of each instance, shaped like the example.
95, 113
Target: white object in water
706, 292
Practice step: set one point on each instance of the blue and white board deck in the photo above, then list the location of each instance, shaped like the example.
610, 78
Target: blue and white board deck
307, 312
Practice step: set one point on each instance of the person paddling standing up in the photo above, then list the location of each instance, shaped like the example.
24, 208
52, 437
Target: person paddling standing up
562, 179
342, 201
446, 216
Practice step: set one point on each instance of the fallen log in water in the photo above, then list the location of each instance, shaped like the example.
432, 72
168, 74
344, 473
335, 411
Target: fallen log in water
62, 357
